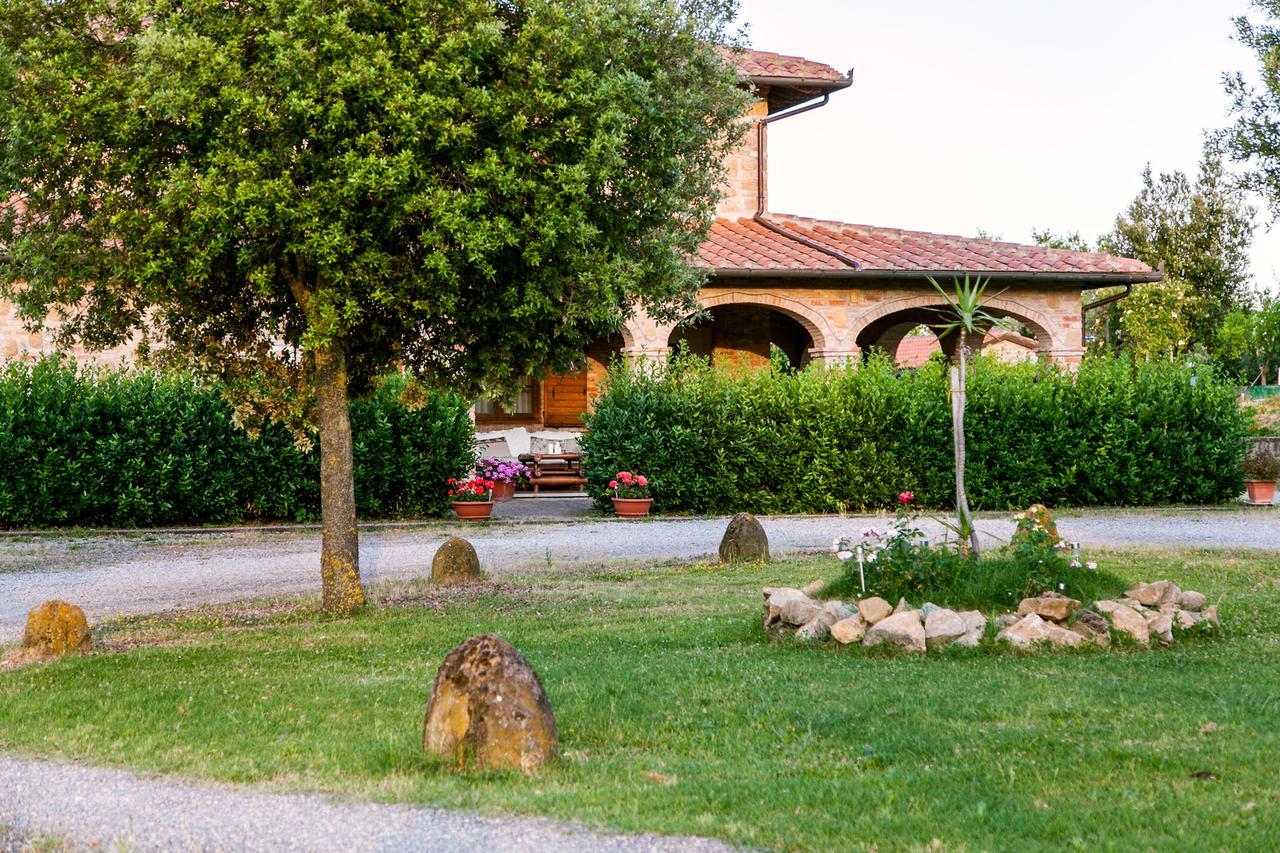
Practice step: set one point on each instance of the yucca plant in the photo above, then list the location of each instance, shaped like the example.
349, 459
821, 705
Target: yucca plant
964, 316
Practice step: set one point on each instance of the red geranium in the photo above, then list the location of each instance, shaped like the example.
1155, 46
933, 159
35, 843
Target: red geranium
630, 486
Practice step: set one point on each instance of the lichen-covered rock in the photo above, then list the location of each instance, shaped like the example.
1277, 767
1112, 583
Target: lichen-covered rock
942, 626
1160, 626
744, 540
1092, 626
1053, 606
54, 629
900, 630
975, 626
874, 609
1191, 600
488, 709
1005, 620
799, 611
455, 562
1128, 620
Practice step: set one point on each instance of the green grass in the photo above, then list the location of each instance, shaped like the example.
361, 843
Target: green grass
677, 715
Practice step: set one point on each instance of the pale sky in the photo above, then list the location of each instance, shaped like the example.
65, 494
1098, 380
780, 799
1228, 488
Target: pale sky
1000, 115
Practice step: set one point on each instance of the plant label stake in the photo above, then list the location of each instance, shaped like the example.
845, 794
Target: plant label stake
862, 576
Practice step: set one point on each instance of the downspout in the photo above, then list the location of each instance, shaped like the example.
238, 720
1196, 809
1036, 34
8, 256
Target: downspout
759, 215
1102, 303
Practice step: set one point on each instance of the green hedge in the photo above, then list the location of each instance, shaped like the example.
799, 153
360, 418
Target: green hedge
90, 447
1114, 433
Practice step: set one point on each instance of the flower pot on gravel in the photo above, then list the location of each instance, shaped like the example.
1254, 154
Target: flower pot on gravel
473, 510
631, 507
1261, 491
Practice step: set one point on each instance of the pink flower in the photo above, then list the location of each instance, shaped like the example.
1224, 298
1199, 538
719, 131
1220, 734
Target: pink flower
613, 484
905, 498
625, 476
642, 480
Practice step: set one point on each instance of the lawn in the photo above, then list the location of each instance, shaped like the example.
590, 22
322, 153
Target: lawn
677, 715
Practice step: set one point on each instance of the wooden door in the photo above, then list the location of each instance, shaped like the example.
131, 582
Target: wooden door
564, 399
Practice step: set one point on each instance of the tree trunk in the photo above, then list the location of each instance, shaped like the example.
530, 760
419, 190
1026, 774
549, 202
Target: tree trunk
340, 548
968, 533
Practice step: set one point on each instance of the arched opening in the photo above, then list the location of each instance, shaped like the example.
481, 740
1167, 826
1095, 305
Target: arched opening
741, 334
912, 335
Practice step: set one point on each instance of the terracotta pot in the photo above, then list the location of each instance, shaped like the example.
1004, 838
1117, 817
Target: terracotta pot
476, 510
1261, 491
503, 492
631, 507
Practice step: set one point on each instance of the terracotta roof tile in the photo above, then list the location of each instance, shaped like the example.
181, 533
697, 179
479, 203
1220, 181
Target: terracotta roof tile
744, 244
763, 63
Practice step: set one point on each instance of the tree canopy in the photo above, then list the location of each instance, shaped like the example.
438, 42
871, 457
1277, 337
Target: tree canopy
309, 191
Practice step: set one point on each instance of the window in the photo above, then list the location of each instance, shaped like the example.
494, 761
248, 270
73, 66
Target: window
523, 408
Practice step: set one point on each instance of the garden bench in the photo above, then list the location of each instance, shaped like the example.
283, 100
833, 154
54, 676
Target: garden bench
554, 469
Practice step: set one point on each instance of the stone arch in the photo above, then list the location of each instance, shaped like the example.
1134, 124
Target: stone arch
813, 322
892, 317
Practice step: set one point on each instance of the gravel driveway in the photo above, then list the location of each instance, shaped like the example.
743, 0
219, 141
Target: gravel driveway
48, 805
109, 575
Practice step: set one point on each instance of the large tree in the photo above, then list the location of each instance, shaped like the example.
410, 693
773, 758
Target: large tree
1201, 233
300, 194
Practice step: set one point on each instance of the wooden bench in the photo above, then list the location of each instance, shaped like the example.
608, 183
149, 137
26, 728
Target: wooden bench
554, 469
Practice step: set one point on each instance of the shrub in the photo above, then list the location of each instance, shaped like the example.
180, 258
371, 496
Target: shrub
827, 440
93, 447
1262, 464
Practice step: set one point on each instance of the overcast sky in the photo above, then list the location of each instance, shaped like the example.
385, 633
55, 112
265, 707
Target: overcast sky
1000, 115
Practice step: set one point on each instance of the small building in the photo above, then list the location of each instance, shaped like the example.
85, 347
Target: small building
825, 291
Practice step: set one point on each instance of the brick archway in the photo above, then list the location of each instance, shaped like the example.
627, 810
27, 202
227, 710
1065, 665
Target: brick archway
812, 321
888, 320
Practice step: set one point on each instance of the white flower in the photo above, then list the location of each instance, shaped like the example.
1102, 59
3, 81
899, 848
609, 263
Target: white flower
1075, 564
871, 558
1091, 566
844, 555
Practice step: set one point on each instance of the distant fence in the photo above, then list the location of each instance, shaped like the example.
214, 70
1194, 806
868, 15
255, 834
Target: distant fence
1268, 442
1261, 392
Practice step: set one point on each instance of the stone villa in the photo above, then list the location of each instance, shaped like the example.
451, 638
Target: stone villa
829, 291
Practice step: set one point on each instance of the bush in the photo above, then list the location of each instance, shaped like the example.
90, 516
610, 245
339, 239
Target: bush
1114, 433
93, 447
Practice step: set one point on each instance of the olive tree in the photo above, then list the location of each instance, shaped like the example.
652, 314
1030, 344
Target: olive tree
299, 195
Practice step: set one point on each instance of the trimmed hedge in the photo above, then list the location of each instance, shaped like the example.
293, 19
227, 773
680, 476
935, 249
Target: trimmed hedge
90, 447
1115, 433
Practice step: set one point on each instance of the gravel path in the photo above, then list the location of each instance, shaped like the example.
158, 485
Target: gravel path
47, 805
110, 575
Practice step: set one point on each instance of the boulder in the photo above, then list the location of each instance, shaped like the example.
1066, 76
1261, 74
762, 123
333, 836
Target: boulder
903, 607
1187, 619
55, 629
849, 630
1027, 631
1092, 626
1191, 600
901, 630
775, 597
1004, 620
814, 588
942, 626
819, 627
799, 611
874, 609
975, 626
1161, 594
1160, 626
455, 562
1130, 621
1211, 613
1032, 629
744, 540
488, 709
927, 608
1053, 606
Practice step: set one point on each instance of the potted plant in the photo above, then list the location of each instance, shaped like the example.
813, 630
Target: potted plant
505, 474
1261, 470
630, 495
472, 499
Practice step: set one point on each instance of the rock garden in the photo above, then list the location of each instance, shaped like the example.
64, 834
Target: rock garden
1031, 574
